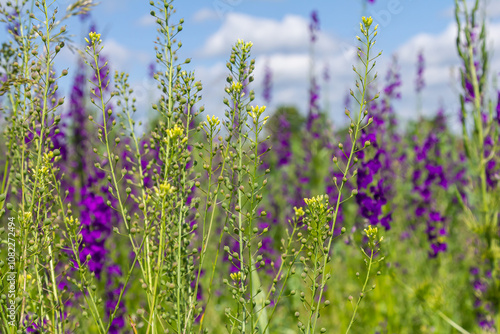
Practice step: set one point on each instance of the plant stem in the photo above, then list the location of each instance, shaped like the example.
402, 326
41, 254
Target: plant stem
362, 104
363, 291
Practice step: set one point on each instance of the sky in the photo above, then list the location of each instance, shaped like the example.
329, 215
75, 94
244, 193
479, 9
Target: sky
279, 32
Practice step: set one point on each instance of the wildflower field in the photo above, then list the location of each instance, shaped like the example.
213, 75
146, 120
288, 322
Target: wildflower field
117, 217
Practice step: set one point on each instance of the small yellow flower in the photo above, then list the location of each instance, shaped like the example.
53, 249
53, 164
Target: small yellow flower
259, 111
236, 276
318, 201
245, 46
27, 215
367, 21
299, 212
95, 38
236, 86
371, 231
166, 188
214, 121
256, 112
175, 132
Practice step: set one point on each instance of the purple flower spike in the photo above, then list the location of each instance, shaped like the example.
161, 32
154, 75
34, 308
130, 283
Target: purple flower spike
498, 108
267, 84
314, 26
420, 83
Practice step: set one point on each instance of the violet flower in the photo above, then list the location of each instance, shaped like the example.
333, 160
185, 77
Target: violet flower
498, 108
266, 94
375, 170
420, 82
428, 176
314, 26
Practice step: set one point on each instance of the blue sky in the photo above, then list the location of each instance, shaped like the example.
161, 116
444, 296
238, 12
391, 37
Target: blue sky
129, 23
127, 20
278, 29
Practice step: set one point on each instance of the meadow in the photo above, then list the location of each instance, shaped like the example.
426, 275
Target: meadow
264, 220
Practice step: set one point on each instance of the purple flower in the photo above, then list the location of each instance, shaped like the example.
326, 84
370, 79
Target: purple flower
377, 167
314, 25
498, 108
420, 83
95, 216
151, 70
267, 84
283, 148
437, 248
428, 176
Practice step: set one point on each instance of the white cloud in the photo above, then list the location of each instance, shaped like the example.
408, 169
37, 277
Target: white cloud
205, 14
441, 71
121, 58
145, 21
489, 7
284, 45
440, 47
288, 35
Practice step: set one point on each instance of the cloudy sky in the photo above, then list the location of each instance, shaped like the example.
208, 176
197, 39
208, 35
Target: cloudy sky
279, 32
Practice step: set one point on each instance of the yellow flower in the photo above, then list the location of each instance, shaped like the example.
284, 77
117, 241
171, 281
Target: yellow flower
166, 188
175, 132
95, 38
256, 112
371, 231
27, 216
236, 86
367, 21
245, 46
213, 121
299, 212
318, 201
236, 276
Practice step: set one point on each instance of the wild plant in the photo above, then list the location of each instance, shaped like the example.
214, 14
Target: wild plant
244, 181
320, 218
30, 188
480, 133
190, 224
159, 233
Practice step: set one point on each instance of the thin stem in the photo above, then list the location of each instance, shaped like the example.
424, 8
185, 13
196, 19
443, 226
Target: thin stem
354, 138
363, 291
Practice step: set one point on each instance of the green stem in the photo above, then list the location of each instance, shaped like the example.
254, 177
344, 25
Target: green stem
362, 104
363, 291
73, 238
39, 142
